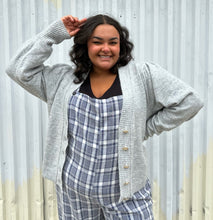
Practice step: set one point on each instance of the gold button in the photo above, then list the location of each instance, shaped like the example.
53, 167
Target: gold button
125, 131
125, 198
125, 148
126, 167
126, 183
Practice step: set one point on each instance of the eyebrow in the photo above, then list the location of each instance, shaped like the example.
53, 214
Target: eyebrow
99, 38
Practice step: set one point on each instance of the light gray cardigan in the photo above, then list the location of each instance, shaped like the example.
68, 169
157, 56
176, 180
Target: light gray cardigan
153, 101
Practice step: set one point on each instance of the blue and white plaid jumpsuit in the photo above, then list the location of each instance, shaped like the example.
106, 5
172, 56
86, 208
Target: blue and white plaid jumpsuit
90, 174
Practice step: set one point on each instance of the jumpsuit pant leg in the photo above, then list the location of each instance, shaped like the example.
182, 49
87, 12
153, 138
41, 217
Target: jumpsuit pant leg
74, 206
138, 207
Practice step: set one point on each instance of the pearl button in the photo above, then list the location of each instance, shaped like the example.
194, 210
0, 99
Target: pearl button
125, 148
126, 167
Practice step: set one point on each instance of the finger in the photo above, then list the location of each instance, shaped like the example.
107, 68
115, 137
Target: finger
82, 21
73, 33
67, 19
71, 18
75, 20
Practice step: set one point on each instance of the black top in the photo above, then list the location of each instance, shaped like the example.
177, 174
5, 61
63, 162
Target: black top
114, 90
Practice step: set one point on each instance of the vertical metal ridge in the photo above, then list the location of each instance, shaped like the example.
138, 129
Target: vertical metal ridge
197, 173
208, 208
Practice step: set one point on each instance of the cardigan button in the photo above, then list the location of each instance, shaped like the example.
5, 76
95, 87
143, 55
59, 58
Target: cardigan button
125, 131
126, 183
125, 148
126, 166
126, 198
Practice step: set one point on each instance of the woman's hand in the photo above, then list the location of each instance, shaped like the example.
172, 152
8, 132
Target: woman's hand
72, 24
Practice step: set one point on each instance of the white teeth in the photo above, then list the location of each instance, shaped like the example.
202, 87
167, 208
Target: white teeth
104, 56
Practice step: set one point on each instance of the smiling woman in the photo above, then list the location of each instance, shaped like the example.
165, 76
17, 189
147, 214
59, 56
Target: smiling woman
101, 111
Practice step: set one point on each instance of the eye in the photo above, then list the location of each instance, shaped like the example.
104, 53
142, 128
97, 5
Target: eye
96, 42
113, 42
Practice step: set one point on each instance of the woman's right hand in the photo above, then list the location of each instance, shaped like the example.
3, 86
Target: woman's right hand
72, 24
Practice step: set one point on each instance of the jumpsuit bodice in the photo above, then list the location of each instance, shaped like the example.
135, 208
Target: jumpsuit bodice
90, 174
92, 154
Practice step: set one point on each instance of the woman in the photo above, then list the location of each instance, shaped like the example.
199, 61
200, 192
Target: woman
100, 112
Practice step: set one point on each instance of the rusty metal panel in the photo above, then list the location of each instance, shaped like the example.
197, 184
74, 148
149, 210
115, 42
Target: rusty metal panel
176, 34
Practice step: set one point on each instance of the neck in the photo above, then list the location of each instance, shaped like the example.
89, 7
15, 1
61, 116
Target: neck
101, 73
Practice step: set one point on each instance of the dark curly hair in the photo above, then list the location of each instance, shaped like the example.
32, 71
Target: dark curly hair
79, 52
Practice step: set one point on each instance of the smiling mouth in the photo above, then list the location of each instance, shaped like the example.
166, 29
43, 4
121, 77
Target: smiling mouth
105, 56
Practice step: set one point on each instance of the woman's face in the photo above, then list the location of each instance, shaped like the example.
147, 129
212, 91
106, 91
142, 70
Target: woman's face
104, 47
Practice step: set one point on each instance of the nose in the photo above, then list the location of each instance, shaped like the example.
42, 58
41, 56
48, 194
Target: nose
105, 48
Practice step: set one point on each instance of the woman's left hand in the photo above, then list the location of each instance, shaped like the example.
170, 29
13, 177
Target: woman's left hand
72, 24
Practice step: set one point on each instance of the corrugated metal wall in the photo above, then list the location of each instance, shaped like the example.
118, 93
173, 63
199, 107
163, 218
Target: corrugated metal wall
177, 34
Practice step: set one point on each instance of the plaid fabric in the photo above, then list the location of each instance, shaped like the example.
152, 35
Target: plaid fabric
90, 173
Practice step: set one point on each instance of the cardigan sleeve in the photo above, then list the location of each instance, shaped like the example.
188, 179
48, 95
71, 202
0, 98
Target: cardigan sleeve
171, 101
27, 66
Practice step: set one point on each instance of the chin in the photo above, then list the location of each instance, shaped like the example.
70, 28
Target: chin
107, 66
